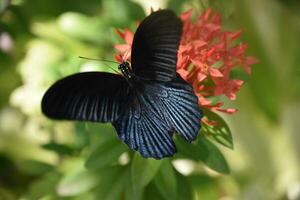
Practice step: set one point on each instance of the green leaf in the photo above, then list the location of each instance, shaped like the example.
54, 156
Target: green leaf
226, 7
77, 182
205, 151
6, 194
122, 18
112, 183
204, 186
83, 27
151, 192
3, 5
211, 156
60, 149
105, 154
34, 167
219, 132
186, 149
81, 135
165, 180
142, 172
176, 5
184, 187
44, 185
265, 84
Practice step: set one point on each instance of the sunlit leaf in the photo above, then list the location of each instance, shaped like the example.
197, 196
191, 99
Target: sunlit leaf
204, 187
84, 28
112, 183
142, 172
212, 156
3, 5
264, 84
226, 7
44, 185
176, 5
184, 187
105, 154
219, 132
165, 180
81, 135
205, 151
77, 182
122, 18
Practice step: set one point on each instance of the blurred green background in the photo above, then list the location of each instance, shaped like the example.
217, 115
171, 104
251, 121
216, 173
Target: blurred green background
40, 42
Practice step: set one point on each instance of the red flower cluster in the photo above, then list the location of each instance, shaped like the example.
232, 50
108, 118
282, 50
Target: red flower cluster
206, 56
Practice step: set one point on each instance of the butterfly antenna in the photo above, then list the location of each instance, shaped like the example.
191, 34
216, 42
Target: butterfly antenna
112, 69
82, 57
125, 55
103, 63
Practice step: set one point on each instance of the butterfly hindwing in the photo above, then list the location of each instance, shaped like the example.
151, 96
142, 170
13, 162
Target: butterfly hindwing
142, 130
88, 96
180, 108
155, 45
155, 113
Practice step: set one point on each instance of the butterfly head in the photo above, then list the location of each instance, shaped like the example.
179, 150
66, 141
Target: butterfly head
125, 69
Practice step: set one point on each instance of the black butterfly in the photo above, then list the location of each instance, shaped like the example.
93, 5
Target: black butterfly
146, 105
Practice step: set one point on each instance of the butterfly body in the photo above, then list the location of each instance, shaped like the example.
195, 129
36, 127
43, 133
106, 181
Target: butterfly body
124, 67
147, 104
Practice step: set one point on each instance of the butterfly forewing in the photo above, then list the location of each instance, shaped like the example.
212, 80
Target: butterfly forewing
89, 96
155, 45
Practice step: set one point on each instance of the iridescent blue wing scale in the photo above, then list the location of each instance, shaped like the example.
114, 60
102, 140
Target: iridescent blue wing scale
180, 108
155, 114
142, 130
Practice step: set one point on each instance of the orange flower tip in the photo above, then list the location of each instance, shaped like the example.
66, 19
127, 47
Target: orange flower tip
118, 58
120, 33
210, 52
238, 82
203, 101
216, 19
201, 77
198, 43
205, 16
208, 122
215, 72
186, 15
122, 47
247, 69
231, 96
183, 73
236, 34
228, 110
128, 36
250, 60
